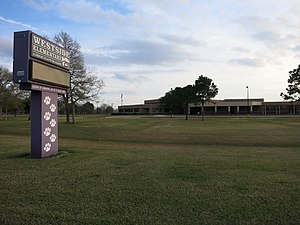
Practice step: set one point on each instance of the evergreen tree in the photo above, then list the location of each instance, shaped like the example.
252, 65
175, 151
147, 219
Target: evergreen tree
293, 89
205, 90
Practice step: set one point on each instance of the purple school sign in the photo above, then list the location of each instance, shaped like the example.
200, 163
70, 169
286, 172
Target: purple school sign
42, 67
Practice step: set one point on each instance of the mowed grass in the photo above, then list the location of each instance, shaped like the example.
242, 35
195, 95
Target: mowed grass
154, 171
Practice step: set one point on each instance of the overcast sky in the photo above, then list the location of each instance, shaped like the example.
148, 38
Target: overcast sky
143, 48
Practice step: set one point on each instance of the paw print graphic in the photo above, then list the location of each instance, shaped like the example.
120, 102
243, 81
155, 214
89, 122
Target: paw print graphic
53, 138
47, 100
52, 122
47, 131
47, 116
47, 147
52, 107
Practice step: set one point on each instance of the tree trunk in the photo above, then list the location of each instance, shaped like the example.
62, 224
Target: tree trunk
73, 113
73, 109
202, 110
6, 111
186, 111
0, 112
66, 100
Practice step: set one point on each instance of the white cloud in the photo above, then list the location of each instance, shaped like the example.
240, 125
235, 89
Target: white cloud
130, 78
252, 62
183, 40
86, 11
17, 23
139, 52
240, 49
80, 11
267, 36
39, 4
296, 48
5, 47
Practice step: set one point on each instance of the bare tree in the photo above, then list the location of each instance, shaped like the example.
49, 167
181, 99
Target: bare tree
84, 86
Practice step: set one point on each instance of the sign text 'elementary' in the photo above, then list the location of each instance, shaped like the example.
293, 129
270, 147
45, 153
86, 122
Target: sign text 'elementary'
50, 52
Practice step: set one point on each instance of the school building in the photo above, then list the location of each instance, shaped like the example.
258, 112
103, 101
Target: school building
255, 106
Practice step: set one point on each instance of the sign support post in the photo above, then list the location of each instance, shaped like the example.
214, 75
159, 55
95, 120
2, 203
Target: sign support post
44, 124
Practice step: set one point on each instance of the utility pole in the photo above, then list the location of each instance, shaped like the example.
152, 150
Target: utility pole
248, 100
121, 99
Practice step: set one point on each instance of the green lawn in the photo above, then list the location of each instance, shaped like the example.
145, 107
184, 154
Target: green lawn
154, 171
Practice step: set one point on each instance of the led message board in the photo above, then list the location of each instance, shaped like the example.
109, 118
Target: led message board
39, 61
41, 73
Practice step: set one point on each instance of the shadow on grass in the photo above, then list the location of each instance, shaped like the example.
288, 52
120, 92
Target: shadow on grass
22, 155
26, 155
60, 154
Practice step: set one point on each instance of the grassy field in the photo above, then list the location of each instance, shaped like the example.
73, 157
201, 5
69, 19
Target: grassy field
154, 171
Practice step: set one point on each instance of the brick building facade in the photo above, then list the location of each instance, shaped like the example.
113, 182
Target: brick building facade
219, 107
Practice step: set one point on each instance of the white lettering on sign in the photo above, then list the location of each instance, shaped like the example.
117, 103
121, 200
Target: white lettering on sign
49, 89
49, 52
20, 73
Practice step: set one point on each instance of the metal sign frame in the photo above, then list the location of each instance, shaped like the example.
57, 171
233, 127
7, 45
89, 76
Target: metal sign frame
40, 61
